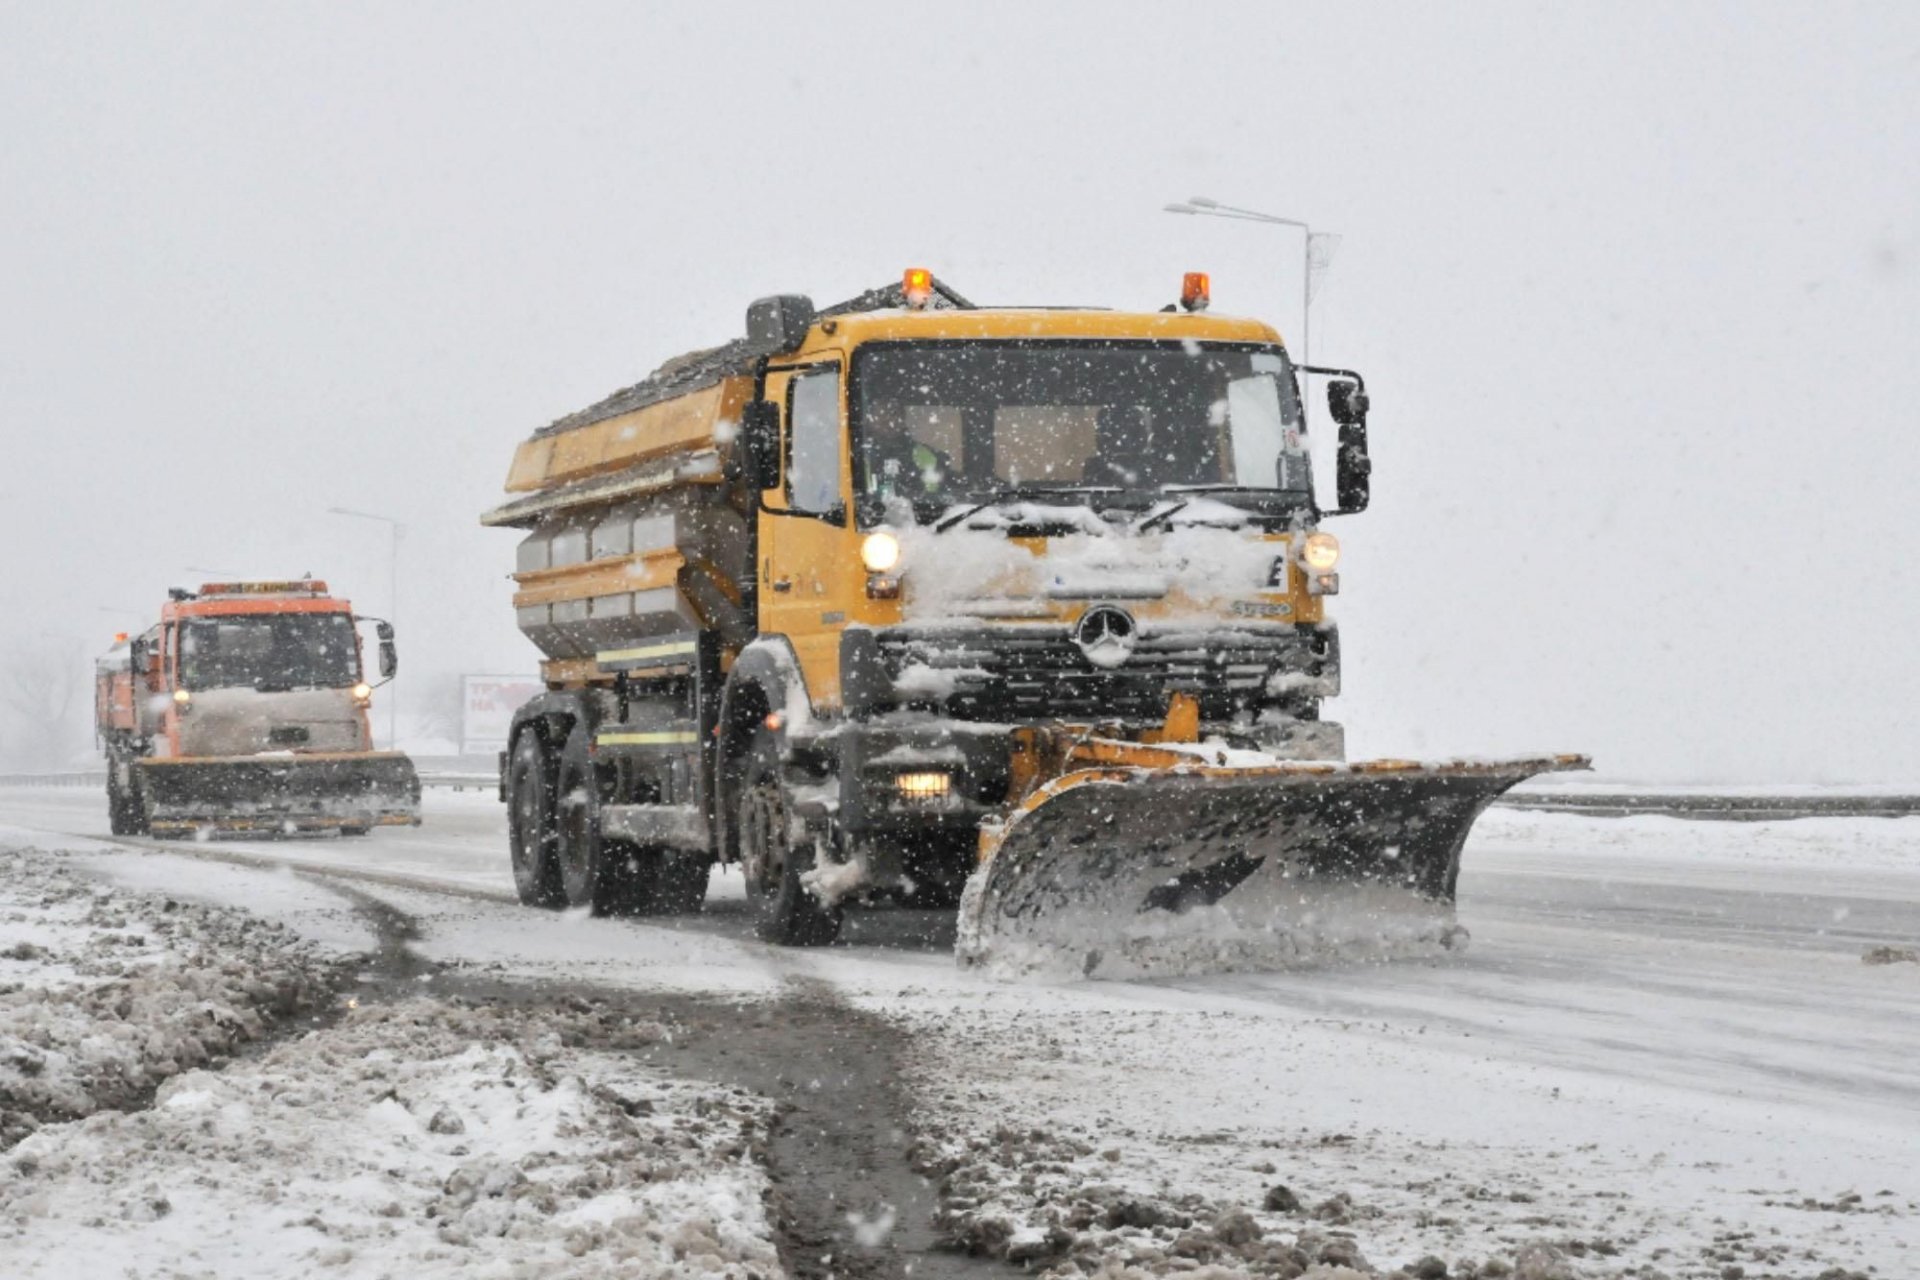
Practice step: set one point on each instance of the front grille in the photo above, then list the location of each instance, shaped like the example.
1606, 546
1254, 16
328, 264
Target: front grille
1038, 673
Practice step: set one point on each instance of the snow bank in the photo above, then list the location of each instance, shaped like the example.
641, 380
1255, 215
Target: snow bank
104, 994
416, 1139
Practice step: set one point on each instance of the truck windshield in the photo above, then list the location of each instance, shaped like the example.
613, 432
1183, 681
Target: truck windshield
937, 424
269, 651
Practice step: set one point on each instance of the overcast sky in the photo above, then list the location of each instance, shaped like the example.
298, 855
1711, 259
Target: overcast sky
1634, 288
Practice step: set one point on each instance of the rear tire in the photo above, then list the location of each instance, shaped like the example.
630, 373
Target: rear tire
530, 824
787, 912
593, 872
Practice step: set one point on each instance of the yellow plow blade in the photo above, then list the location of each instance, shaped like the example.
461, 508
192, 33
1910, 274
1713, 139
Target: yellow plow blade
1121, 871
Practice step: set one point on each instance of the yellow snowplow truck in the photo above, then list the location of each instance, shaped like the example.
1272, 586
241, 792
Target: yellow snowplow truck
1019, 610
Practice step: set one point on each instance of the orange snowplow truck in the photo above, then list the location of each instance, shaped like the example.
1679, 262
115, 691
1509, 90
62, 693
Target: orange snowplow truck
245, 709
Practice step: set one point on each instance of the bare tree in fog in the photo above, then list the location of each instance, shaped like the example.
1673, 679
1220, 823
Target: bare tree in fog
41, 697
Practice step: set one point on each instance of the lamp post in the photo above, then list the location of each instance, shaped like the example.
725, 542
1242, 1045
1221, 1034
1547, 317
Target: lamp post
394, 530
1214, 209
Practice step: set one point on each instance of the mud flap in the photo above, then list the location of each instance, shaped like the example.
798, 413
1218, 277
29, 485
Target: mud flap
1128, 872
281, 793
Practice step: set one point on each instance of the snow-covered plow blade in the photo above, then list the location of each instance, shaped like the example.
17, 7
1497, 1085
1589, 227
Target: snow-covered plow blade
309, 792
1125, 870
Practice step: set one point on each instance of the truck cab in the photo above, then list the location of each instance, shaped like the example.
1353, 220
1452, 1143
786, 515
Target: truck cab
245, 707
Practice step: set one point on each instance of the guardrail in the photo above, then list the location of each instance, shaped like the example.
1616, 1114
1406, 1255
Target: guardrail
71, 778
1708, 806
1715, 807
98, 778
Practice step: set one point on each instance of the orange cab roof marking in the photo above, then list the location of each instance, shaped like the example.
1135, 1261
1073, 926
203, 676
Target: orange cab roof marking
1040, 323
229, 606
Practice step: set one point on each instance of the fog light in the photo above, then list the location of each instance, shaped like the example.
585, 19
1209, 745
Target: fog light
882, 586
923, 786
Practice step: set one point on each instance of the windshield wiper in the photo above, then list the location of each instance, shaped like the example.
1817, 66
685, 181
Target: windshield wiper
1016, 493
1161, 516
947, 522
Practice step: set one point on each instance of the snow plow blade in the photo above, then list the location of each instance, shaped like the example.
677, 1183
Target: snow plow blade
313, 792
1132, 871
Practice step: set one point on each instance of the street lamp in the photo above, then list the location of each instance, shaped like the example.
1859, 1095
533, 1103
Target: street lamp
394, 530
1214, 209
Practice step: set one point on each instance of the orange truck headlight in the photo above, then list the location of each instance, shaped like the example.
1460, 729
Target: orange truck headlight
362, 694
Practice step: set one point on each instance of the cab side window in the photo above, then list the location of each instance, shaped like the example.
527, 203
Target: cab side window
813, 443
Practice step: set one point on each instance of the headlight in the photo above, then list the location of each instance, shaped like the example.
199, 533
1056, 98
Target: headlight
182, 699
1320, 551
363, 693
880, 552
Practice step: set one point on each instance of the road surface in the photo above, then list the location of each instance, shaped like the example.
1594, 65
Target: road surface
1662, 1050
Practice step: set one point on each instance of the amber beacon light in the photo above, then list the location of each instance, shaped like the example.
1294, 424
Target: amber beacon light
917, 284
1196, 291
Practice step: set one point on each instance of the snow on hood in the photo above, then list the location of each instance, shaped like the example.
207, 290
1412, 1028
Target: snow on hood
973, 572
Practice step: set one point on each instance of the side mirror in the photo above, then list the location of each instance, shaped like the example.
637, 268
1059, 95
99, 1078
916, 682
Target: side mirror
1353, 469
1347, 402
779, 324
389, 658
760, 444
384, 630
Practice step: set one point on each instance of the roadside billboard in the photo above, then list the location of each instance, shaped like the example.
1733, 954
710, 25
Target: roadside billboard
488, 704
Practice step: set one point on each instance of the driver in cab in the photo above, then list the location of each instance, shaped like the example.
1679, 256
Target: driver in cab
897, 464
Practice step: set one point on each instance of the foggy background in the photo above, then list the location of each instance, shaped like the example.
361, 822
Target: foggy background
1634, 291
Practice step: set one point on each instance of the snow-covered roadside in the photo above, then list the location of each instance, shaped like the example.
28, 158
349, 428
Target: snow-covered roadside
422, 1139
1802, 847
1161, 1139
106, 993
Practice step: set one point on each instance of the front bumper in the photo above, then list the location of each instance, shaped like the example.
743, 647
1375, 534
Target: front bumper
867, 760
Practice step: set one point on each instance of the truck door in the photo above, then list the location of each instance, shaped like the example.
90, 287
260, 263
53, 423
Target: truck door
810, 572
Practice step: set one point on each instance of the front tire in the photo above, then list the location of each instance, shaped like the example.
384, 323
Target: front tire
126, 810
787, 912
530, 823
119, 820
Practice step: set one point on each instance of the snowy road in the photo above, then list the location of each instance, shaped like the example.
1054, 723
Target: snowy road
1663, 1049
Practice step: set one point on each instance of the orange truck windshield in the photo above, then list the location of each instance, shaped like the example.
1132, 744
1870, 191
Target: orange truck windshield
269, 651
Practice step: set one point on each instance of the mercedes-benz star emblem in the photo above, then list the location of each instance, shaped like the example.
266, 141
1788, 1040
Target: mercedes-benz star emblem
1106, 635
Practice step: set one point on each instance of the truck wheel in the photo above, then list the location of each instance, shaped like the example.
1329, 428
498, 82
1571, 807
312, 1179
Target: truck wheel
787, 911
592, 872
119, 813
530, 828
